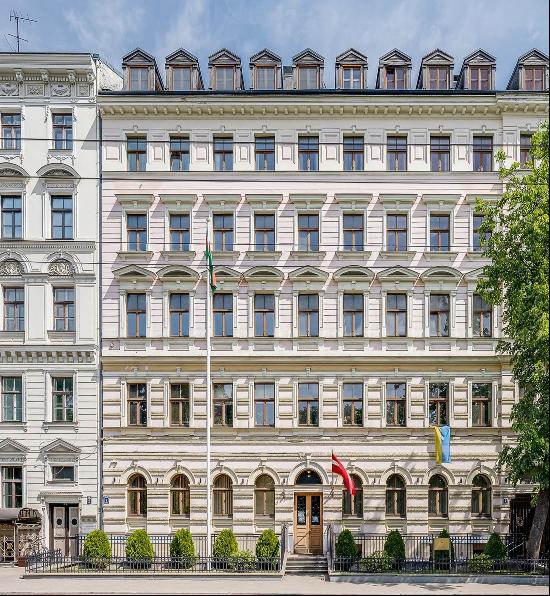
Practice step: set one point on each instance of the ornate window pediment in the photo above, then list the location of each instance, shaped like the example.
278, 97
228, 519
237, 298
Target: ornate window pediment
441, 273
260, 273
60, 447
308, 274
11, 170
397, 273
61, 268
8, 446
11, 268
176, 273
133, 272
354, 273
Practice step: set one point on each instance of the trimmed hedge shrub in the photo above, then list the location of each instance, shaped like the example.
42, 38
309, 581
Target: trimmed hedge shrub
480, 563
225, 544
97, 549
182, 548
378, 562
267, 545
242, 560
139, 547
345, 545
442, 556
495, 548
394, 546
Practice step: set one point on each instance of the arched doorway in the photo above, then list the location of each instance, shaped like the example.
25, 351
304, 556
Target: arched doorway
308, 513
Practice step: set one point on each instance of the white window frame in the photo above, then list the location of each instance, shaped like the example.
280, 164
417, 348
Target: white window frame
355, 380
124, 401
48, 402
14, 373
398, 204
384, 383
441, 205
177, 205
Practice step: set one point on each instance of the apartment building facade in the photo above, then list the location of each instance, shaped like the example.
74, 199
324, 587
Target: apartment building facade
347, 251
49, 193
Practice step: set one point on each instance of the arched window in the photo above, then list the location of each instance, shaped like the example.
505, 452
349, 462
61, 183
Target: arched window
179, 495
481, 495
396, 496
438, 496
353, 507
309, 477
223, 496
137, 495
264, 496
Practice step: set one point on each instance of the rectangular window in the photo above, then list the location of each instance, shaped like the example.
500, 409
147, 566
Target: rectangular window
439, 315
12, 217
11, 131
137, 404
525, 147
62, 473
438, 77
353, 315
308, 404
223, 404
180, 231
181, 79
397, 154
308, 315
225, 78
438, 403
179, 404
481, 404
354, 231
14, 309
483, 154
533, 77
307, 77
440, 232
396, 232
308, 232
351, 77
222, 224
62, 399
396, 315
483, 317
440, 154
179, 315
265, 154
264, 404
264, 315
12, 487
12, 399
396, 401
139, 79
223, 315
264, 232
63, 131
63, 309
480, 78
395, 77
136, 149
265, 77
62, 217
354, 152
136, 231
352, 396
308, 153
179, 154
136, 315
479, 239
223, 154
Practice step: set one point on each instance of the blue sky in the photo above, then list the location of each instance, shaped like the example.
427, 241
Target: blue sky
505, 28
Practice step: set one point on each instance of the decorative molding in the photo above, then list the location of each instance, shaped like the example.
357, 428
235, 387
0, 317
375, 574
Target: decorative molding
11, 268
61, 268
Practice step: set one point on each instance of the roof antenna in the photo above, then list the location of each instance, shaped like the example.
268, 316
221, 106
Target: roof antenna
15, 16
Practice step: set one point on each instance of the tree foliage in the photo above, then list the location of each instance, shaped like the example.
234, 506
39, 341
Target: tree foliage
495, 548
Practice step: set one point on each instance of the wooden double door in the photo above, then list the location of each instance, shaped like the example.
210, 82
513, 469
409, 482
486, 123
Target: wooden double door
308, 523
64, 527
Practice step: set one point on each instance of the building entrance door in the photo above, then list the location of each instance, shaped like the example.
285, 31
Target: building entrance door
308, 523
64, 527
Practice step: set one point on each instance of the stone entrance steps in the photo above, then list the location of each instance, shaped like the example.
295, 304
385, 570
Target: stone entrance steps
306, 565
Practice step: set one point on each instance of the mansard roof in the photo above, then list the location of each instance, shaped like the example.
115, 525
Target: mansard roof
224, 56
139, 57
533, 56
351, 56
478, 58
436, 57
309, 56
264, 56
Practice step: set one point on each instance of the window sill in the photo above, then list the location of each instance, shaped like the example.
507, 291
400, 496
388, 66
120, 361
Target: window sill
14, 337
308, 254
13, 424
59, 425
225, 256
353, 254
443, 255
178, 255
62, 336
477, 255
397, 254
135, 255
259, 255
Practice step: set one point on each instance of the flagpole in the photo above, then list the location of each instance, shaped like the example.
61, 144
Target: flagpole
208, 412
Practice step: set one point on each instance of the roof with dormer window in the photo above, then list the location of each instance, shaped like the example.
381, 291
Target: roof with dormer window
394, 57
309, 56
533, 57
351, 56
224, 56
265, 56
138, 57
436, 57
478, 58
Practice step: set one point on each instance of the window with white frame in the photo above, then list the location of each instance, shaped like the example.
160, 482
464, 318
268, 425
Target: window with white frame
223, 228
136, 314
62, 399
137, 404
308, 232
12, 217
179, 314
180, 231
62, 127
308, 315
14, 309
12, 399
11, 131
264, 315
353, 227
352, 404
63, 473
354, 314
12, 487
482, 404
63, 309
62, 217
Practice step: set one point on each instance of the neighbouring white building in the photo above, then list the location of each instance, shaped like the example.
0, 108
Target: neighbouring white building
346, 318
49, 193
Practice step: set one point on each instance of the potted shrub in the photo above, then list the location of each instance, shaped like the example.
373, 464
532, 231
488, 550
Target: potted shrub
139, 550
394, 547
97, 550
267, 549
224, 546
182, 549
346, 550
495, 548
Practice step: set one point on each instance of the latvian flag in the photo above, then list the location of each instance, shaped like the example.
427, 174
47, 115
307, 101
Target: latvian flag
210, 263
338, 468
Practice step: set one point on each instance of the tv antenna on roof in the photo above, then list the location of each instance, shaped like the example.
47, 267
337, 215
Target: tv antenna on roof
14, 16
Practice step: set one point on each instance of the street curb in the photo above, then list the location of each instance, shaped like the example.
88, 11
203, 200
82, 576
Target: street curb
217, 576
402, 578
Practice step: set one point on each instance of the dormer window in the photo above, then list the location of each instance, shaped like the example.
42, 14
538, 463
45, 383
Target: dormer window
352, 77
225, 78
533, 77
308, 77
265, 77
480, 78
439, 77
395, 77
139, 79
181, 79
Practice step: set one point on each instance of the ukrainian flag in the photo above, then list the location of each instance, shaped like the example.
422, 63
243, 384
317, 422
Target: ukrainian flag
442, 435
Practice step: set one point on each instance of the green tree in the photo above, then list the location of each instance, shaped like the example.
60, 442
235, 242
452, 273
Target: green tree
517, 280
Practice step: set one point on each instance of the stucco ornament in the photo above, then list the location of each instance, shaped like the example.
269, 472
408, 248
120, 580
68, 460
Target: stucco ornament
11, 267
61, 268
